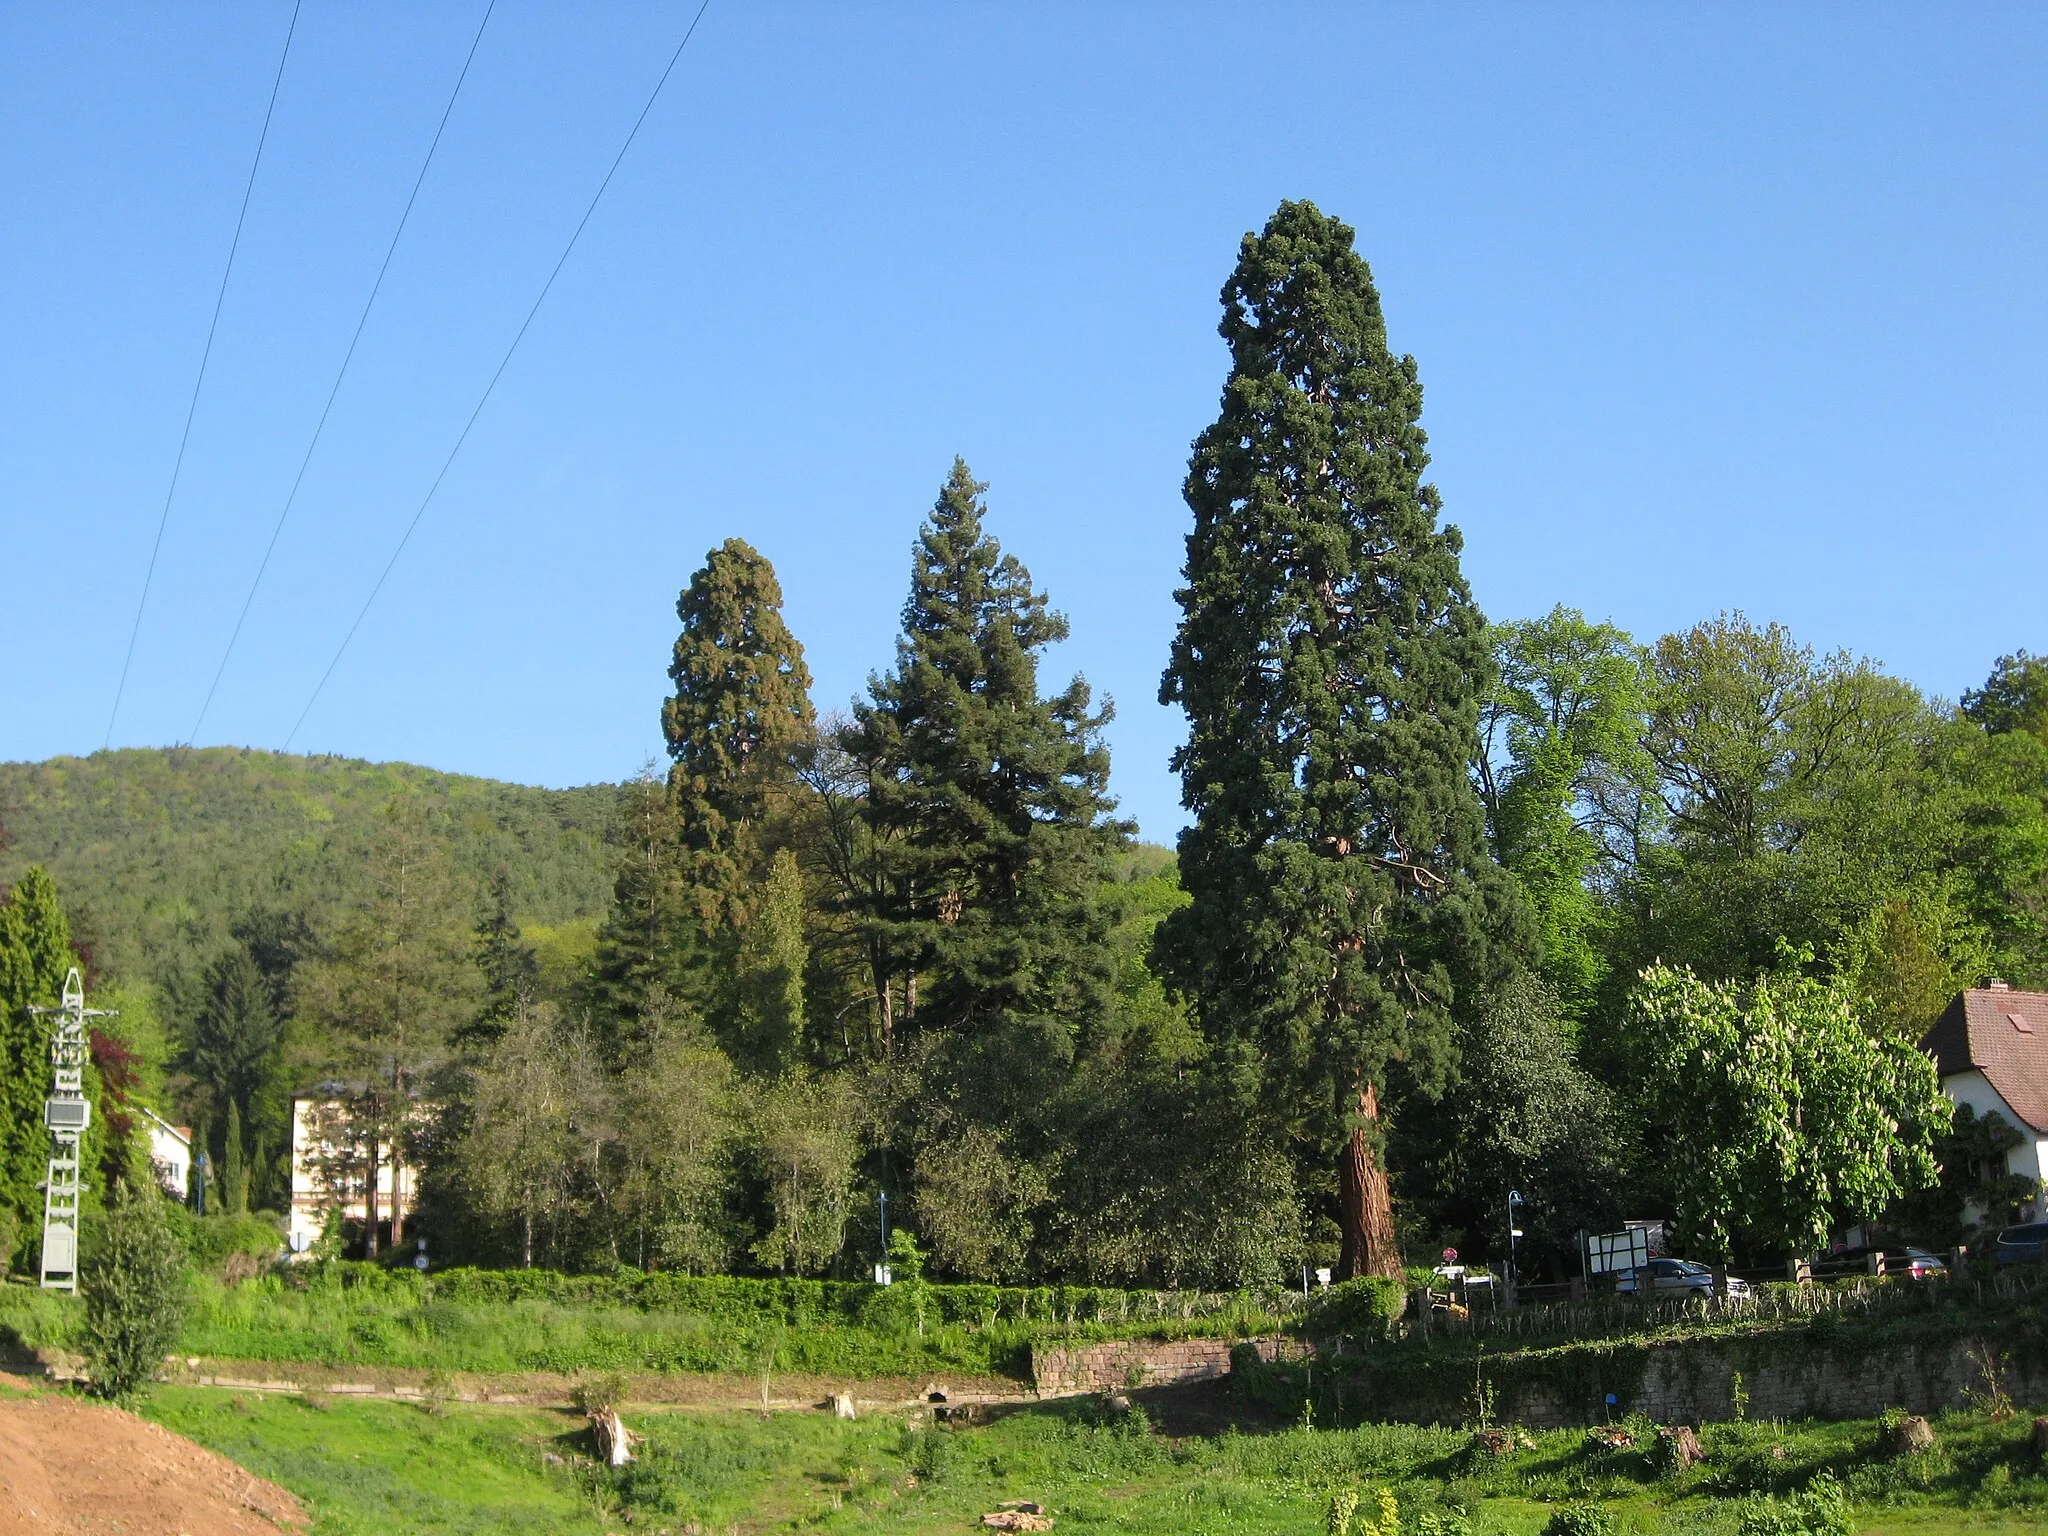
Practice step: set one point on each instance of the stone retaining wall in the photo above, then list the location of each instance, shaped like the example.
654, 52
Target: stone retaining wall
1062, 1369
1689, 1381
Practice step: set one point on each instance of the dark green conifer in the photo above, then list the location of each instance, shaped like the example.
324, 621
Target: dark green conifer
738, 724
990, 803
35, 954
653, 955
1331, 663
511, 970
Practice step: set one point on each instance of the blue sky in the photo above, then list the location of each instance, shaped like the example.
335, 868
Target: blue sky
1729, 307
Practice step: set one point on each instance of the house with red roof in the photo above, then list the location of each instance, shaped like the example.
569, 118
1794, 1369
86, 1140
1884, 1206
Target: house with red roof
1991, 1048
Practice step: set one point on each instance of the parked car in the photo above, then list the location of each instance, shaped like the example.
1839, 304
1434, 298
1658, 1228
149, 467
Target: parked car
2024, 1244
1668, 1275
1918, 1263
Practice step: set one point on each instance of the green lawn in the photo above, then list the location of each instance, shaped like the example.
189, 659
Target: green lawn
377, 1466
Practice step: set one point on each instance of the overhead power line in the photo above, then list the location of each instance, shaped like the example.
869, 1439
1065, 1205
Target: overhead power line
483, 400
205, 356
348, 357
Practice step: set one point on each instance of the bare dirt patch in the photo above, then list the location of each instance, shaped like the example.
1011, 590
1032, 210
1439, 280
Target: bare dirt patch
67, 1465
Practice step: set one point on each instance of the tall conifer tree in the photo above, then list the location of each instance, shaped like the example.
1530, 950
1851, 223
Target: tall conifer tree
1331, 662
737, 725
991, 803
35, 953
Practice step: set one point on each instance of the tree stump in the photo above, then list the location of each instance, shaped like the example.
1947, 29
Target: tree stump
1909, 1436
614, 1440
2041, 1436
1679, 1447
1495, 1442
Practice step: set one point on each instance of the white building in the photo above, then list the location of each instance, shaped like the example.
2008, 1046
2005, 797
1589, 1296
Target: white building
328, 1172
1991, 1049
170, 1152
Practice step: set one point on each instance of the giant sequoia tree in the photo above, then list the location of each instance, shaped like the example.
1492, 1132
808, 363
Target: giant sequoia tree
1331, 663
737, 724
990, 803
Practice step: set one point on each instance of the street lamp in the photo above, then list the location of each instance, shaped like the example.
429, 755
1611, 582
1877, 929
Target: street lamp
1515, 1202
882, 1276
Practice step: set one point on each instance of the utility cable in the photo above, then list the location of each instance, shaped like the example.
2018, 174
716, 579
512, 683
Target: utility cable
347, 357
205, 356
504, 362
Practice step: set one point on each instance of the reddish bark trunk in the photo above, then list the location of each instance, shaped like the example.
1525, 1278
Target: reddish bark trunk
1365, 1208
370, 1204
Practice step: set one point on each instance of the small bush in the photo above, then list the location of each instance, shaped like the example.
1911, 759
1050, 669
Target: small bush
1362, 1308
1819, 1509
601, 1392
1580, 1520
133, 1286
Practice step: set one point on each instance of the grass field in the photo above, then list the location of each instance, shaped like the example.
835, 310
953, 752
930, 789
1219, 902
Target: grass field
365, 1466
494, 1321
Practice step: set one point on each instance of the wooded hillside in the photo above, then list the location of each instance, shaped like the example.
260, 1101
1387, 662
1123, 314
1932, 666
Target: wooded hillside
156, 851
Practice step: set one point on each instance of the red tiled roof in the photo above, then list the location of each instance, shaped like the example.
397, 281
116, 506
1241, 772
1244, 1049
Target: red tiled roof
2002, 1033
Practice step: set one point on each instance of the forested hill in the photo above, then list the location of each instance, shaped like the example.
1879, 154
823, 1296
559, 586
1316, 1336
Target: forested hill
155, 852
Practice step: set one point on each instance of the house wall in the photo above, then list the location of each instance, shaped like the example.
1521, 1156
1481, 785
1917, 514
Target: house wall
312, 1198
1974, 1089
171, 1155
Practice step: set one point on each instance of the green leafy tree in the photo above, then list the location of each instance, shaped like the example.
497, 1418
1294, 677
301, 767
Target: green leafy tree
2014, 697
133, 1287
1525, 1116
737, 725
517, 1155
1564, 778
1788, 782
772, 955
1331, 663
35, 954
989, 803
805, 1145
1774, 1112
396, 983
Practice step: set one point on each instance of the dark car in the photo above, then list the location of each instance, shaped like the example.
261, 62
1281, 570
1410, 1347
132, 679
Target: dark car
2025, 1244
1918, 1263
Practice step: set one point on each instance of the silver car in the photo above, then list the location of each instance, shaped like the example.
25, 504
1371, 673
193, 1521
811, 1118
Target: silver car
1663, 1276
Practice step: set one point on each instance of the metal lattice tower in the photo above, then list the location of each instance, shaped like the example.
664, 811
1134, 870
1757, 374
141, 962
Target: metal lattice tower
67, 1112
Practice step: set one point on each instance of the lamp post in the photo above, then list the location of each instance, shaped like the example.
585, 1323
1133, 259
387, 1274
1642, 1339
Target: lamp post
882, 1276
1515, 1202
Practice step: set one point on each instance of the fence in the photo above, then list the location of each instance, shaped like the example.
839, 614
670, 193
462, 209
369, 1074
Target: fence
1858, 1295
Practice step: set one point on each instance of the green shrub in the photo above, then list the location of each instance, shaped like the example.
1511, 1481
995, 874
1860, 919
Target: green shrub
133, 1287
1580, 1520
601, 1392
1819, 1509
1362, 1308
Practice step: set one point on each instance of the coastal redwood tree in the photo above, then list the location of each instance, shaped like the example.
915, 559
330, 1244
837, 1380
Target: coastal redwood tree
990, 803
737, 725
1331, 663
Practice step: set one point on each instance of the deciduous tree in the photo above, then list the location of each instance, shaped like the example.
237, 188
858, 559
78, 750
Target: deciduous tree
1772, 1112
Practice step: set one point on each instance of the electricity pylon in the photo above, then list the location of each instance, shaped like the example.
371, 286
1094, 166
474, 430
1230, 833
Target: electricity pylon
67, 1112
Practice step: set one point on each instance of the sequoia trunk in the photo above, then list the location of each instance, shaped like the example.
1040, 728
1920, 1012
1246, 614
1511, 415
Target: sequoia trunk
1365, 1209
